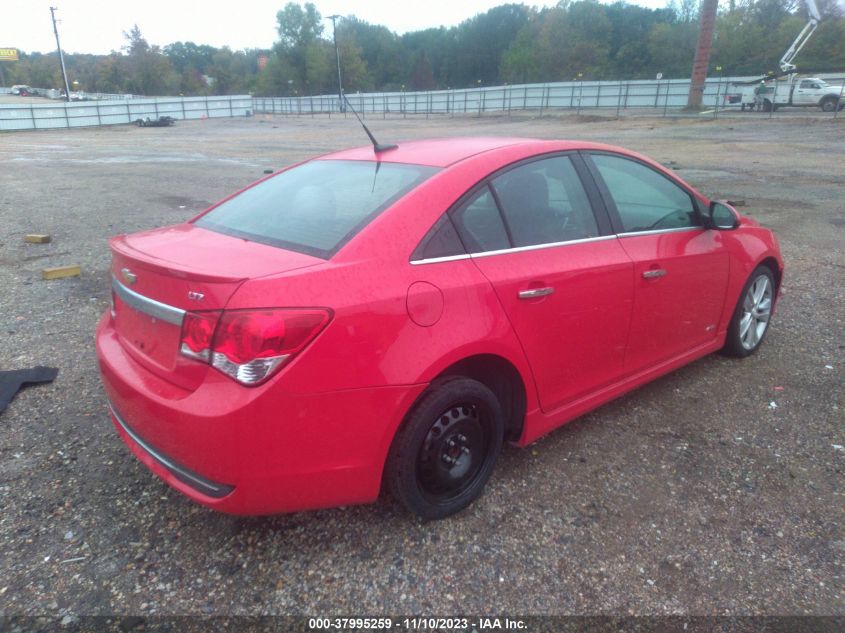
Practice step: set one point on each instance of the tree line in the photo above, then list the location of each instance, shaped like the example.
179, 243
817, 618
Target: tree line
511, 43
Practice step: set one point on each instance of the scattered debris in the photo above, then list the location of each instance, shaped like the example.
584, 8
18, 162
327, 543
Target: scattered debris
268, 171
838, 447
12, 381
59, 272
736, 203
37, 238
773, 405
828, 366
73, 560
162, 121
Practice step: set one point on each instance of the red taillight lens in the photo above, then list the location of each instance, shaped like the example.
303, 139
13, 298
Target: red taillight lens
198, 333
250, 345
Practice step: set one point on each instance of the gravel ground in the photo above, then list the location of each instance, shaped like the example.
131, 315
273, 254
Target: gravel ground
715, 490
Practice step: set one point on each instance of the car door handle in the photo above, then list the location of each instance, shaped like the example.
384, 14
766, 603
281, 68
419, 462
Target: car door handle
654, 274
535, 292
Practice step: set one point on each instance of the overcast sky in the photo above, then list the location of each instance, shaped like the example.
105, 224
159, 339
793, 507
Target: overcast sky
96, 26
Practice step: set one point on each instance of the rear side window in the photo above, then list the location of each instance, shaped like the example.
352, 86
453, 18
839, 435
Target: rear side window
317, 207
441, 241
544, 202
480, 225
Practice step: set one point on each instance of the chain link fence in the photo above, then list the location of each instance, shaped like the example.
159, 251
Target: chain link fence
34, 116
719, 95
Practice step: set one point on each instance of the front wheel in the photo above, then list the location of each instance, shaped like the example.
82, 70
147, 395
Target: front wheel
751, 318
446, 450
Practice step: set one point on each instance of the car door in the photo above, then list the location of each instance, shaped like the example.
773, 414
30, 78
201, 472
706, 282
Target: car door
805, 93
680, 268
560, 274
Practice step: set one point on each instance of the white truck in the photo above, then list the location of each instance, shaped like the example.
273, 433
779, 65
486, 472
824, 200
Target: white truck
792, 91
768, 94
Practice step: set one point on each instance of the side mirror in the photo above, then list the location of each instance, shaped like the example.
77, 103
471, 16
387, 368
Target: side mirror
722, 217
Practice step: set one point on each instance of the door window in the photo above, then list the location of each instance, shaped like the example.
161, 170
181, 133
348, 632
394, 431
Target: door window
544, 202
645, 200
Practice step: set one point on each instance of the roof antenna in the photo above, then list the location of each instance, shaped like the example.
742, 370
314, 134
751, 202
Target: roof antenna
377, 147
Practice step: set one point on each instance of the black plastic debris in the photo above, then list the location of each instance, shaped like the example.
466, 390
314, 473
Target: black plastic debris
12, 381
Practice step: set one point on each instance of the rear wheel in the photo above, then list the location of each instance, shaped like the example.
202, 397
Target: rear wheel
828, 105
751, 318
446, 450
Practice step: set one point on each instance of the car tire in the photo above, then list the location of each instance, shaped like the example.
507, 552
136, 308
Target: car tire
752, 315
446, 449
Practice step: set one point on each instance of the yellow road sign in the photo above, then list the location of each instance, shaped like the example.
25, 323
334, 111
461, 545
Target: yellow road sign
8, 54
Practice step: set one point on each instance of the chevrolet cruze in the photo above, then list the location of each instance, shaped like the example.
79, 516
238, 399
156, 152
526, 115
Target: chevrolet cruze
394, 314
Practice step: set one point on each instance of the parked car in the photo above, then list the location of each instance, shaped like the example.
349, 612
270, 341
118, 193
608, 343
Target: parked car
23, 91
396, 315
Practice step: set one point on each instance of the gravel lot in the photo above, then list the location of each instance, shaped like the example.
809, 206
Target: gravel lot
716, 490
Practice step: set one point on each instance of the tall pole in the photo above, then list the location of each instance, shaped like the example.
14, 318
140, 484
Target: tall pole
61, 57
707, 21
337, 58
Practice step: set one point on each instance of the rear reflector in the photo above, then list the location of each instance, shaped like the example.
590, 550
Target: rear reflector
250, 345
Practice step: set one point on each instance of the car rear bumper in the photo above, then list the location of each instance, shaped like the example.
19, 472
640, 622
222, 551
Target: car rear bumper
252, 450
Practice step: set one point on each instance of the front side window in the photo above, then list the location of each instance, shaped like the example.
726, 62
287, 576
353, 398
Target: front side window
645, 200
317, 207
544, 202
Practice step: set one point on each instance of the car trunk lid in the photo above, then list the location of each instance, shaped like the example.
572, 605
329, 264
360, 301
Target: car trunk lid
159, 275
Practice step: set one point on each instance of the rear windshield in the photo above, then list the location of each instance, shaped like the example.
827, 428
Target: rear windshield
317, 207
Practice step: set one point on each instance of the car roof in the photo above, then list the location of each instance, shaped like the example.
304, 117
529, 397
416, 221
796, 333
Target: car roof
445, 151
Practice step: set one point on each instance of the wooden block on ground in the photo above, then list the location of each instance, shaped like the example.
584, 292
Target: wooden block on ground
61, 271
736, 203
35, 238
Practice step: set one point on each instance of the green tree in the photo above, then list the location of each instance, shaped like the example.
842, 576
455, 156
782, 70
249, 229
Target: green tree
149, 70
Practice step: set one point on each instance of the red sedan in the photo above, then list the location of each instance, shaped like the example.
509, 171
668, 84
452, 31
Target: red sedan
395, 314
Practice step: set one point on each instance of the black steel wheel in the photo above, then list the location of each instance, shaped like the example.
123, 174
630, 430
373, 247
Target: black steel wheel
446, 450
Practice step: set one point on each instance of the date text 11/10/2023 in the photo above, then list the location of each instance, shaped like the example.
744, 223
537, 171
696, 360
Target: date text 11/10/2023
467, 625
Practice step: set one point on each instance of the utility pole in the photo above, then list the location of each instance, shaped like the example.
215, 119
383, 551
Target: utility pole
707, 20
61, 57
337, 57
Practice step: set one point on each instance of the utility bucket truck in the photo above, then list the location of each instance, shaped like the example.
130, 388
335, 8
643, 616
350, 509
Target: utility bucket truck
770, 93
793, 91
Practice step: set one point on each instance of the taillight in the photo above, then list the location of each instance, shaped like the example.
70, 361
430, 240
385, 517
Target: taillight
250, 345
198, 333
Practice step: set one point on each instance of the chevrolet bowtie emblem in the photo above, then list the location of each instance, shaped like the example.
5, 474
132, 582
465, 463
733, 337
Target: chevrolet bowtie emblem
128, 276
